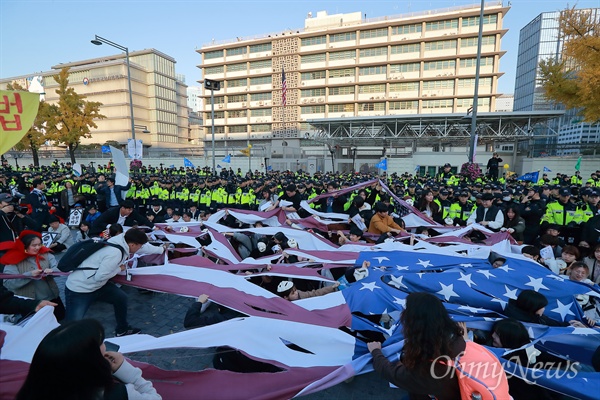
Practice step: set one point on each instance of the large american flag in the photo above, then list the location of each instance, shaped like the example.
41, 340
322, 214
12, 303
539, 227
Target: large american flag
283, 88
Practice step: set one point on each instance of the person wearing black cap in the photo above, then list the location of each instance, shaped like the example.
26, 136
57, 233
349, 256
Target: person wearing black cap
492, 167
12, 220
40, 210
532, 210
487, 214
461, 210
561, 212
445, 177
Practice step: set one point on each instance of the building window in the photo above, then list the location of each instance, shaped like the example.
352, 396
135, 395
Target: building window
236, 67
411, 67
334, 91
440, 45
238, 129
342, 37
377, 51
472, 62
311, 41
372, 88
470, 82
341, 108
237, 51
404, 105
237, 83
213, 54
237, 113
377, 70
219, 100
218, 114
312, 92
261, 80
307, 76
236, 99
312, 58
261, 128
472, 42
374, 33
342, 55
372, 106
406, 48
312, 110
257, 48
406, 29
261, 64
213, 70
481, 102
260, 96
404, 87
446, 103
341, 73
261, 112
438, 25
474, 21
435, 65
446, 84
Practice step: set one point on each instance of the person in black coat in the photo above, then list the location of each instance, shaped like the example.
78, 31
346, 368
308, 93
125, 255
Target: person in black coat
115, 194
111, 216
9, 304
334, 203
492, 167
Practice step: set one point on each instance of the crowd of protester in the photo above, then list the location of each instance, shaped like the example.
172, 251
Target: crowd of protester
561, 214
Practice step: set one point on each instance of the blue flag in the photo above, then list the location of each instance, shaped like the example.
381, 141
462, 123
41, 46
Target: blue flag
219, 166
187, 163
530, 176
417, 168
227, 158
106, 149
546, 169
382, 164
172, 166
269, 168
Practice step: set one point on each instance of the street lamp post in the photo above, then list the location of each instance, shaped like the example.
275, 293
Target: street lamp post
98, 40
212, 86
472, 141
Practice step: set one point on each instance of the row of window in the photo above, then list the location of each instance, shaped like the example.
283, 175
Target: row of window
256, 48
394, 105
396, 49
399, 30
219, 69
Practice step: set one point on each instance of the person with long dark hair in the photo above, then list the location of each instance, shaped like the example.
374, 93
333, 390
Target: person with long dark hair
429, 334
429, 207
29, 257
513, 223
530, 306
71, 363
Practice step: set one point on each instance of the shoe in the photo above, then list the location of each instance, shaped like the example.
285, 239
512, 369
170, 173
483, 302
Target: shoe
129, 331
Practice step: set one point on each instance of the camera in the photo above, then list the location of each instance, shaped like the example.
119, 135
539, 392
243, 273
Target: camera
19, 209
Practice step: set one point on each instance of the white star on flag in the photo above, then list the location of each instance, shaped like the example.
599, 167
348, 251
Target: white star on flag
399, 268
466, 279
530, 333
502, 302
563, 309
511, 294
400, 302
380, 259
536, 283
397, 282
506, 268
448, 291
466, 265
420, 274
370, 286
425, 264
471, 309
486, 273
555, 277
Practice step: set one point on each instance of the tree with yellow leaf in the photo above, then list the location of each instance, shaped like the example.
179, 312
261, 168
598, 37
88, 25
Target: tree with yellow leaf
573, 80
71, 119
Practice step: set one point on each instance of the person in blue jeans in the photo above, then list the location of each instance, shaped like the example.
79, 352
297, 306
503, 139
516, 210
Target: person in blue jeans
90, 281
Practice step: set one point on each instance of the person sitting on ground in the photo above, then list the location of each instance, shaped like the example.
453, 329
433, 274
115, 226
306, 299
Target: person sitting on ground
63, 239
92, 214
83, 232
531, 252
579, 272
354, 236
204, 312
288, 291
530, 306
71, 362
382, 223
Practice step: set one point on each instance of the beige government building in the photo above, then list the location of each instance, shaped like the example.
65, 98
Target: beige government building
159, 97
344, 65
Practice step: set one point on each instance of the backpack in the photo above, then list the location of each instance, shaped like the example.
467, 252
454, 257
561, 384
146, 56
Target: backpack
480, 374
80, 251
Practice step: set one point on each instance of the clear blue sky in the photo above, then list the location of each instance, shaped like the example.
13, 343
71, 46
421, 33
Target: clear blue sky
35, 35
